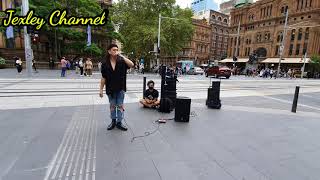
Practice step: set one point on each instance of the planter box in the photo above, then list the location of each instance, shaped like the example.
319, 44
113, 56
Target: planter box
2, 66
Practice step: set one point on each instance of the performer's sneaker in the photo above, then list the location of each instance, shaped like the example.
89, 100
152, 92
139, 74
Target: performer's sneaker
121, 126
112, 125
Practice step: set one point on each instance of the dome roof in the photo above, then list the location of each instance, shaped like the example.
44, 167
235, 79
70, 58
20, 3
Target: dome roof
240, 3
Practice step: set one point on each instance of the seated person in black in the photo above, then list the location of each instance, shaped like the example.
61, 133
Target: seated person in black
150, 97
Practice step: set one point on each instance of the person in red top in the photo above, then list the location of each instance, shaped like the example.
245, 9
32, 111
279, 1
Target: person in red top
64, 63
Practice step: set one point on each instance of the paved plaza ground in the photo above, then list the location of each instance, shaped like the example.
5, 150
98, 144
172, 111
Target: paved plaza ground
54, 128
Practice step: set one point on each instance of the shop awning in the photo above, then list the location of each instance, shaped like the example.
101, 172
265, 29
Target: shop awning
231, 60
286, 60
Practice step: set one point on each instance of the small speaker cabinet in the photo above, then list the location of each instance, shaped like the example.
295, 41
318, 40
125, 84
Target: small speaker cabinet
182, 111
213, 99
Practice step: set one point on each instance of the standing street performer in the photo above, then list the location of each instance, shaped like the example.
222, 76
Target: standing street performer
114, 77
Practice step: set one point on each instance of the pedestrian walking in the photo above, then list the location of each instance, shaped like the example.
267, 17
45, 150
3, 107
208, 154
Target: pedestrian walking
52, 63
289, 73
89, 67
81, 66
114, 77
18, 64
99, 65
76, 65
142, 68
34, 66
63, 63
50, 59
271, 73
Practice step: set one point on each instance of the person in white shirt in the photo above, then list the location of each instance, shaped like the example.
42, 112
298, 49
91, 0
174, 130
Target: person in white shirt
18, 64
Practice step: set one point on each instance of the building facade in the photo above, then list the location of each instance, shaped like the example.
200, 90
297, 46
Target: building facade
198, 49
262, 26
200, 6
219, 23
226, 6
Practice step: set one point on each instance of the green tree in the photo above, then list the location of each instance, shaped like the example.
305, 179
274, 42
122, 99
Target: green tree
139, 29
315, 62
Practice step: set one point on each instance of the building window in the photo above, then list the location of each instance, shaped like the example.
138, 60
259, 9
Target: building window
279, 38
306, 35
276, 53
290, 49
219, 19
305, 46
225, 21
213, 17
300, 34
293, 33
298, 49
306, 3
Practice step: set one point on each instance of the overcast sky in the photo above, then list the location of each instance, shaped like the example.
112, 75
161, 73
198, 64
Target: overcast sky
186, 3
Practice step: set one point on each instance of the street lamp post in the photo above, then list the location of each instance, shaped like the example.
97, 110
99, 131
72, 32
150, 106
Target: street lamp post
159, 30
159, 34
27, 40
282, 42
304, 65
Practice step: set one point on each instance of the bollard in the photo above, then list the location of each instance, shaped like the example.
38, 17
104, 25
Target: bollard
295, 100
144, 86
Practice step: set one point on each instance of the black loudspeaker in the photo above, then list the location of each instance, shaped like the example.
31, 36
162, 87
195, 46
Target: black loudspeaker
213, 99
182, 111
166, 105
168, 89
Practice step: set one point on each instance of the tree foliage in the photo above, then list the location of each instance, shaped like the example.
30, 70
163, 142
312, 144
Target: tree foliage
139, 19
315, 62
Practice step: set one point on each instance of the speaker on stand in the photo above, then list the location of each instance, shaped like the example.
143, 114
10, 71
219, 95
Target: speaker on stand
213, 99
168, 90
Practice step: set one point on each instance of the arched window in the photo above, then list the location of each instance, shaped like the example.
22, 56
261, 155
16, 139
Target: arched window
300, 34
293, 34
306, 35
279, 38
225, 21
219, 18
213, 17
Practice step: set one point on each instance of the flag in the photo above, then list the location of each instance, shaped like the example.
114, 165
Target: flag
89, 35
9, 32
